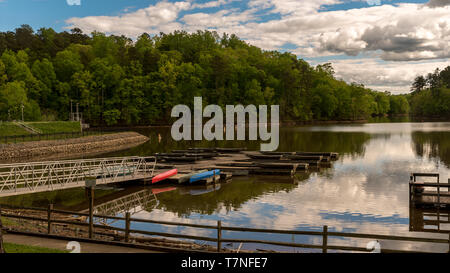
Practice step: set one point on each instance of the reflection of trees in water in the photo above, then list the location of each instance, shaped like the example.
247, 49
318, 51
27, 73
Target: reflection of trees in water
433, 145
230, 195
351, 143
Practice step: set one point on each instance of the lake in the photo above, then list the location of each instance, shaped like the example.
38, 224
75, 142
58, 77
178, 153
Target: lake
365, 190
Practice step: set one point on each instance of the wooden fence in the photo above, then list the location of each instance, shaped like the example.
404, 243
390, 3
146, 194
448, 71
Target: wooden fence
219, 239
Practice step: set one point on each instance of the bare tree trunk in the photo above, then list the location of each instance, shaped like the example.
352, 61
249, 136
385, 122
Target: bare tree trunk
2, 250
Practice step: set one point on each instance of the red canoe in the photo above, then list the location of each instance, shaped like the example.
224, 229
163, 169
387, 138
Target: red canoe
164, 175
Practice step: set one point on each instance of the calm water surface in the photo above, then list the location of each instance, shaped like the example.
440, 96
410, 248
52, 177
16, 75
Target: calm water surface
365, 191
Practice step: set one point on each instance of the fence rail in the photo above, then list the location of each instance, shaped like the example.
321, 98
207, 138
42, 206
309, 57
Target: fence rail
219, 238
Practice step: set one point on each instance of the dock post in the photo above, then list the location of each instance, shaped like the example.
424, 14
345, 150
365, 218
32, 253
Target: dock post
325, 239
49, 218
91, 211
90, 183
219, 235
127, 227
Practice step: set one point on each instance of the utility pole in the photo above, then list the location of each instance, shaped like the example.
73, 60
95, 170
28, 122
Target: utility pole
22, 112
78, 117
71, 111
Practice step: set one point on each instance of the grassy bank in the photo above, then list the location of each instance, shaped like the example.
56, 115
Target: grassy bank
56, 126
11, 129
15, 248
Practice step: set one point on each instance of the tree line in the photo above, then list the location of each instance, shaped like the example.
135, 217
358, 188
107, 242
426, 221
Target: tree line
117, 80
430, 96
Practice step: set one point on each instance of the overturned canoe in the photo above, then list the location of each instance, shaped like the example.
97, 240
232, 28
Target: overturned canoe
306, 157
324, 154
183, 178
164, 175
203, 175
230, 150
260, 156
181, 158
202, 150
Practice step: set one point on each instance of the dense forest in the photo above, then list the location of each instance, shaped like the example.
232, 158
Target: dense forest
430, 96
116, 80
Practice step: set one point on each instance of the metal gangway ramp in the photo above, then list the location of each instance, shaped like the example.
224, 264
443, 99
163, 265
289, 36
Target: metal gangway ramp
133, 203
23, 178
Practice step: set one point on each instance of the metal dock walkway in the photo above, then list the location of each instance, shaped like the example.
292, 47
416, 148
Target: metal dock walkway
23, 178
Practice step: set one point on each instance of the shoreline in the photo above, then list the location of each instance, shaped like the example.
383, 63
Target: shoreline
294, 123
69, 148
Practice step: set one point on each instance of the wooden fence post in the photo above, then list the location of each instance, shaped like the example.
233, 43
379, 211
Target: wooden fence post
91, 212
219, 235
2, 249
49, 218
127, 227
325, 239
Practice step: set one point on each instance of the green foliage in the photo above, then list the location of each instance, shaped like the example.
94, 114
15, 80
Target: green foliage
432, 99
117, 81
12, 97
429, 104
111, 116
398, 105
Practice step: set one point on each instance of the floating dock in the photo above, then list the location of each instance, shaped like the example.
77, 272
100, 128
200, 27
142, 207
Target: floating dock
240, 162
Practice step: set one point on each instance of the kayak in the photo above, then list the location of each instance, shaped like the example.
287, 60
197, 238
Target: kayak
185, 178
203, 175
164, 175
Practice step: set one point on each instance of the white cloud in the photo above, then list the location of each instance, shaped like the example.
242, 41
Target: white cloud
73, 2
153, 19
391, 76
387, 32
211, 4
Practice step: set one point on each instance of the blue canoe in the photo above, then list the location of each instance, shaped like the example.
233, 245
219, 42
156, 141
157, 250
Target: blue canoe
203, 175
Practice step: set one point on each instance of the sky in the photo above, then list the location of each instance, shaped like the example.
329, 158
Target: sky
383, 44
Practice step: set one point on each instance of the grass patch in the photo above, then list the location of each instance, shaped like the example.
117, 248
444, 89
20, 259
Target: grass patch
15, 248
56, 126
11, 129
